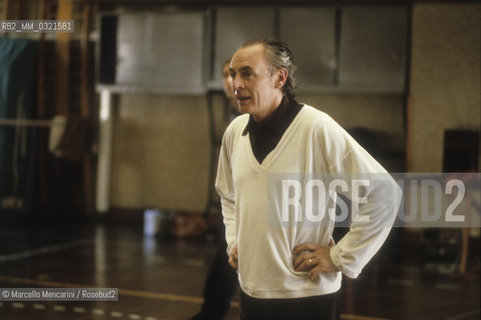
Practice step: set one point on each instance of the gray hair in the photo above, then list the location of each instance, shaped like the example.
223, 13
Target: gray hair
278, 54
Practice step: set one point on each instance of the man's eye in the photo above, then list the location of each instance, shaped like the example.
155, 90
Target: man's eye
247, 74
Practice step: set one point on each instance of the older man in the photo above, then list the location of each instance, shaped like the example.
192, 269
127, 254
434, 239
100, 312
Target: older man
289, 269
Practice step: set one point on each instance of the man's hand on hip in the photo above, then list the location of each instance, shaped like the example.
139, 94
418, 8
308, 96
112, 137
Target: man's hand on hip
314, 259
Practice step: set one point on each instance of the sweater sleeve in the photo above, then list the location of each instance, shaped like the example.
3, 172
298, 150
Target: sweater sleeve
225, 188
374, 204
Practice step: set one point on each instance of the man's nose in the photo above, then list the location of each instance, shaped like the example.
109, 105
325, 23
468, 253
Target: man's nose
237, 83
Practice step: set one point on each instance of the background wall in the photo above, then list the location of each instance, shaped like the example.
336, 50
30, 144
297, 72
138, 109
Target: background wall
160, 155
379, 113
445, 78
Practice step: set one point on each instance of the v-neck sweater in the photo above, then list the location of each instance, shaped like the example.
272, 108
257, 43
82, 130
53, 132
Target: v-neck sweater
265, 135
251, 206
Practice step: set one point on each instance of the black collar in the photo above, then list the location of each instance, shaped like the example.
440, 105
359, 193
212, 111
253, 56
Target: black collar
278, 121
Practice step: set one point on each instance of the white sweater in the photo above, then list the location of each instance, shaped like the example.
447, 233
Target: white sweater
251, 206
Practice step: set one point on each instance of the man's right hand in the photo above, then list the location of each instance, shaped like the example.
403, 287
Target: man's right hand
233, 257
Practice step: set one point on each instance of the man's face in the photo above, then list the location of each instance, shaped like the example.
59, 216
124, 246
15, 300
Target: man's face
256, 88
227, 81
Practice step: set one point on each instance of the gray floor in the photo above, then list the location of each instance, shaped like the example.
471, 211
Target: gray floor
163, 278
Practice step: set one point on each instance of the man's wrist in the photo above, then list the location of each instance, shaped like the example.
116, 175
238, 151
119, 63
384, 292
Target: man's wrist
335, 256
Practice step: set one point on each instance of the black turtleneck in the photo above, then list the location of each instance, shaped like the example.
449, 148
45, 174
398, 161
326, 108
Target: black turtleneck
265, 135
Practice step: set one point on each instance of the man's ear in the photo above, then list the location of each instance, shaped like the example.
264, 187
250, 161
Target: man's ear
281, 77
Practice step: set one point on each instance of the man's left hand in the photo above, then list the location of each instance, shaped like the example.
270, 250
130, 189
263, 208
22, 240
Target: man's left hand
314, 258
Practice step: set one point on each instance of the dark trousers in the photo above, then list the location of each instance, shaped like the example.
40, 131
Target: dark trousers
220, 285
324, 307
